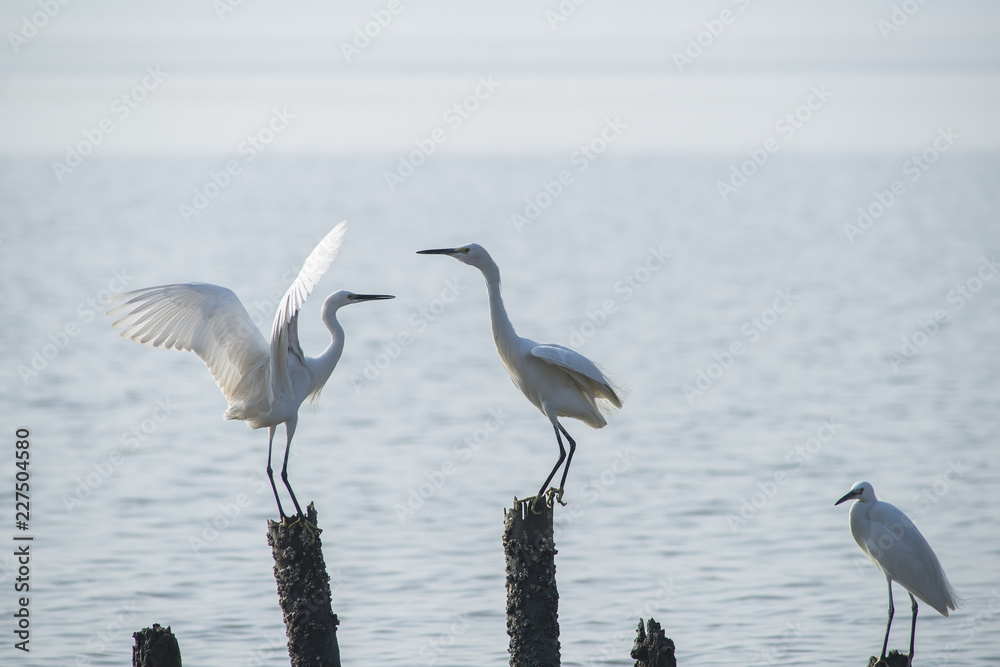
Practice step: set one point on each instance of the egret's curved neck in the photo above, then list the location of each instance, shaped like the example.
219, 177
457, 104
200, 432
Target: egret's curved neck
321, 367
503, 331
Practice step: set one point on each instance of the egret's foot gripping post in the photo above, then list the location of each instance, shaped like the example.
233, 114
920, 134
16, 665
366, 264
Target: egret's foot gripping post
310, 528
554, 496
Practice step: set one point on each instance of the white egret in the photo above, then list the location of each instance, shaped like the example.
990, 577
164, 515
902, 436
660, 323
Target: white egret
557, 380
264, 384
896, 547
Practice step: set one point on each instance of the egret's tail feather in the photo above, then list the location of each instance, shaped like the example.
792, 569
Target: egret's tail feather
611, 395
236, 412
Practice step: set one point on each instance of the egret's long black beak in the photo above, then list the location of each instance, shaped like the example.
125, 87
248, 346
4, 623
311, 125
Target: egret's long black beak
370, 297
439, 251
853, 493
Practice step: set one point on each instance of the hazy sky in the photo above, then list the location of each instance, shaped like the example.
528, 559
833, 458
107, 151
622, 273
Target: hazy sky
203, 75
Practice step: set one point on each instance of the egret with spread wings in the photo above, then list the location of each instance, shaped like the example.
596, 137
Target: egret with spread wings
557, 380
264, 383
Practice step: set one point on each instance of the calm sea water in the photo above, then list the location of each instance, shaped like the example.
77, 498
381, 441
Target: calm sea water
818, 361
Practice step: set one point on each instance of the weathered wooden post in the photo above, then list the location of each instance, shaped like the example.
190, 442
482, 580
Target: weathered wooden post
892, 659
155, 647
304, 592
532, 597
652, 647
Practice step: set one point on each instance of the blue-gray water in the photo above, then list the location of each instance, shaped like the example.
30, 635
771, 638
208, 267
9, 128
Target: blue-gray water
147, 507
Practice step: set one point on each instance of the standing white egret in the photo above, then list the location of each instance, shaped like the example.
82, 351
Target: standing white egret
557, 380
264, 384
896, 547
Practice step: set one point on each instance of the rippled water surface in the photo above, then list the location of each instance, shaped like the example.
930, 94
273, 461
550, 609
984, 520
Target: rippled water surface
711, 511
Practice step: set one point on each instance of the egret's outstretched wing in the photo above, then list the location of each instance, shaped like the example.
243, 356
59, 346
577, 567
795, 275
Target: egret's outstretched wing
208, 320
284, 332
582, 369
901, 551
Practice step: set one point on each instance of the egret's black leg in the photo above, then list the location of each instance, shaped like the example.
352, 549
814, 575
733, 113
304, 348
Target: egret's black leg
562, 457
888, 625
270, 472
913, 625
569, 460
290, 429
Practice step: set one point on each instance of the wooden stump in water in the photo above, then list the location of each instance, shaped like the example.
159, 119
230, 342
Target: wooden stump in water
155, 647
304, 592
532, 597
893, 659
652, 647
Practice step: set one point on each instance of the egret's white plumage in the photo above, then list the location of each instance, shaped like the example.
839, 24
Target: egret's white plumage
557, 380
900, 552
264, 383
